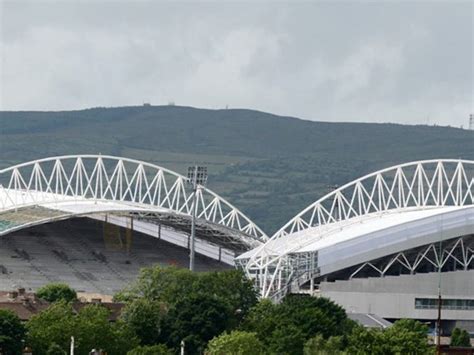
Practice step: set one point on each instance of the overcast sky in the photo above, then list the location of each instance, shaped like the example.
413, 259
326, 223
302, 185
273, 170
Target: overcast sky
392, 61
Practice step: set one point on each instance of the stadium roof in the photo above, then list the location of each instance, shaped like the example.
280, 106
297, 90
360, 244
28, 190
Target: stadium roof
386, 212
330, 235
63, 187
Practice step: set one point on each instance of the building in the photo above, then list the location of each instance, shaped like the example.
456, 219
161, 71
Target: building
381, 245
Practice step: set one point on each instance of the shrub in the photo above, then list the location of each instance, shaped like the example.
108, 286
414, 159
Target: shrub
460, 337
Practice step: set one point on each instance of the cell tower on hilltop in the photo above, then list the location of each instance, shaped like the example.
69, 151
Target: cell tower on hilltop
471, 122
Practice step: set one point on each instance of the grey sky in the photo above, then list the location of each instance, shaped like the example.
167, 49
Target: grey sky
407, 62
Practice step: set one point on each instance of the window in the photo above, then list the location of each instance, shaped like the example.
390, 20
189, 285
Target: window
446, 303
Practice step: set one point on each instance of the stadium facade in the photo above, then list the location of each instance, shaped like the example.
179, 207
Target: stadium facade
381, 244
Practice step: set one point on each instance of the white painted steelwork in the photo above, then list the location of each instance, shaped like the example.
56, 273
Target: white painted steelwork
349, 219
458, 251
84, 184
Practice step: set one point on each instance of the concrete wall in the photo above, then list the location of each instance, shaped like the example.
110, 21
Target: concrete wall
394, 296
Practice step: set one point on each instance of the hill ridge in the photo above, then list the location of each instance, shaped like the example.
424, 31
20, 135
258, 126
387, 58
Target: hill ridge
255, 159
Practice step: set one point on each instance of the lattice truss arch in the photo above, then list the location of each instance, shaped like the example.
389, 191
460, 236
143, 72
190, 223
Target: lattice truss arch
410, 186
113, 179
417, 185
455, 254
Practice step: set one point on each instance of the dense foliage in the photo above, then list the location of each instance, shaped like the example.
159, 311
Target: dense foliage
147, 319
406, 336
281, 162
213, 313
12, 332
461, 338
235, 343
284, 328
90, 327
159, 349
170, 305
170, 285
218, 313
55, 349
196, 320
317, 345
56, 292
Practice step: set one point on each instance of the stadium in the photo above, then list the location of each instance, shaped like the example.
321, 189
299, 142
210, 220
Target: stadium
52, 215
380, 246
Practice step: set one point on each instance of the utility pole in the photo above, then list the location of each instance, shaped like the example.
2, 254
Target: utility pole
197, 177
72, 346
438, 320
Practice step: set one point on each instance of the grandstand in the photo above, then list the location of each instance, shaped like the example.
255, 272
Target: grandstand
80, 252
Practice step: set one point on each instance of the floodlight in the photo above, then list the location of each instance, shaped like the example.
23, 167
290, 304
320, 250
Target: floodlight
197, 177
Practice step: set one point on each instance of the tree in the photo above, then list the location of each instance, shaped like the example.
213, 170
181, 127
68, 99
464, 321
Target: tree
196, 320
460, 337
262, 319
231, 286
406, 336
12, 332
315, 346
235, 343
295, 320
94, 330
334, 345
146, 318
90, 328
319, 346
168, 304
159, 349
165, 284
367, 341
170, 285
55, 292
55, 349
287, 340
316, 315
53, 325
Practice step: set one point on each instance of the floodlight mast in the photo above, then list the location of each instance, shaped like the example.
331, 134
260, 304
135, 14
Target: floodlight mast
197, 177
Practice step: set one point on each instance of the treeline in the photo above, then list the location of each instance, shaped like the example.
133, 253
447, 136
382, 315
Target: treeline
212, 313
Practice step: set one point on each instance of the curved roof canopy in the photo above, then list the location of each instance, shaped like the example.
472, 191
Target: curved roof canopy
61, 187
381, 213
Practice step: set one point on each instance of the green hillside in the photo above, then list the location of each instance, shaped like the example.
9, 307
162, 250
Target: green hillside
269, 166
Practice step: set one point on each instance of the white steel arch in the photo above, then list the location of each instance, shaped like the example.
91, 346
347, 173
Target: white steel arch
114, 183
415, 186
